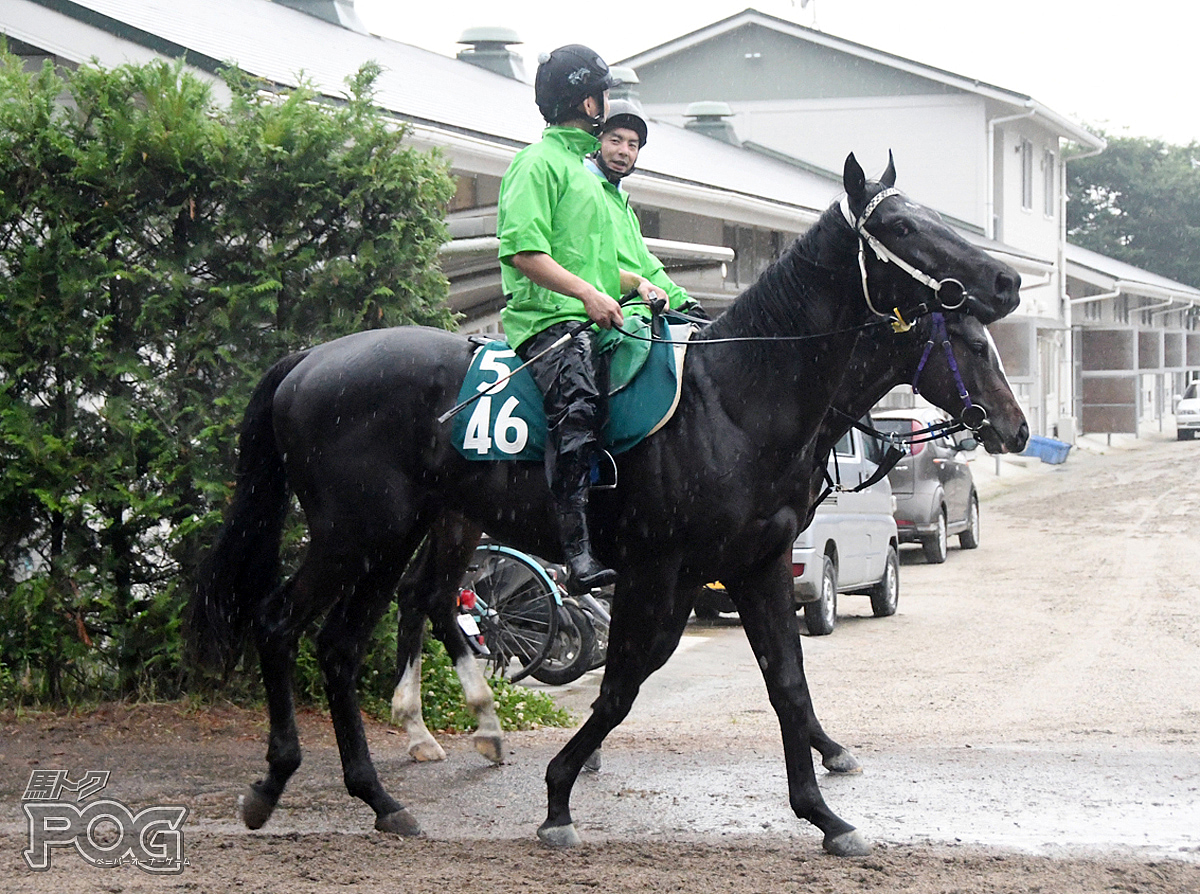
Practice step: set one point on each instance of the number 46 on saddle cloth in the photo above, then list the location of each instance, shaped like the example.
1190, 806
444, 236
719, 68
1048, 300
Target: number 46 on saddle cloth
508, 421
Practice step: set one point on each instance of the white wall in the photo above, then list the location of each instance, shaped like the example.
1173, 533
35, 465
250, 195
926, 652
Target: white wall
939, 142
1032, 228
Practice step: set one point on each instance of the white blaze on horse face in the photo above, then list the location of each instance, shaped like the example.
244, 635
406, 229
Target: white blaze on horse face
995, 353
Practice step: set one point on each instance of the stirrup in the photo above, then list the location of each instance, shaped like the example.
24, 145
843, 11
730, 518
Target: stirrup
604, 472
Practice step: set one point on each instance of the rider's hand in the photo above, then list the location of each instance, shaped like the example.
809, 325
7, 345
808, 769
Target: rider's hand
650, 292
601, 309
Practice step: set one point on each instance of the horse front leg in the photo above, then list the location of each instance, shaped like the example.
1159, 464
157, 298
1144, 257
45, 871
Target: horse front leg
648, 618
488, 739
765, 604
406, 698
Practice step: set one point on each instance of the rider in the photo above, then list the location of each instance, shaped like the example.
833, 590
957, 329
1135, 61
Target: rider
559, 267
622, 137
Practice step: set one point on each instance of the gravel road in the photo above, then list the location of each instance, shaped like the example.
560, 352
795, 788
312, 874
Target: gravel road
1029, 720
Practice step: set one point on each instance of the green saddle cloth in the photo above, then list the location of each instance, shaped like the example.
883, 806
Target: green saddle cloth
508, 421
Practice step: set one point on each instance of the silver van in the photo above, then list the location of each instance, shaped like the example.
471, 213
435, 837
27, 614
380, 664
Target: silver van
850, 547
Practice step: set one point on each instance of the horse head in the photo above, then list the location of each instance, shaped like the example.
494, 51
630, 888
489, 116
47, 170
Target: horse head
959, 369
953, 364
912, 262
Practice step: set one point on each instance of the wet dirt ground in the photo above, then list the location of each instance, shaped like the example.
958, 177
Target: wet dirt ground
1028, 721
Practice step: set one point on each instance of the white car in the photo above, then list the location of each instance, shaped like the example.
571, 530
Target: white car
852, 545
1187, 413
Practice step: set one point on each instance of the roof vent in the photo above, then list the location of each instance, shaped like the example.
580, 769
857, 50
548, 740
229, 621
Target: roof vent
627, 89
712, 120
339, 12
489, 48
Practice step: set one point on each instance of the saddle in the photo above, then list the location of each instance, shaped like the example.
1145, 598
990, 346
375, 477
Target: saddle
508, 422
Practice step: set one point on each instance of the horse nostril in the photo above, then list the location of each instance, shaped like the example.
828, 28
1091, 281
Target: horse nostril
1022, 438
1009, 284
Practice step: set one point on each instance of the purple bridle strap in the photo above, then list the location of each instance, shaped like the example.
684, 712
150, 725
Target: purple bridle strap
939, 329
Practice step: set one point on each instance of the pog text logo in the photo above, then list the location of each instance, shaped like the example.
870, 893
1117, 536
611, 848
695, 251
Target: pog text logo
105, 833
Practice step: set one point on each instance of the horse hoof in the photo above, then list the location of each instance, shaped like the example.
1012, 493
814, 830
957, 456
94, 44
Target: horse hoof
255, 808
398, 822
843, 763
592, 764
560, 836
848, 844
426, 751
491, 747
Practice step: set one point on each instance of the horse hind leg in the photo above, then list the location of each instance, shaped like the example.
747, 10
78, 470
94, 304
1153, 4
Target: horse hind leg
341, 645
406, 710
279, 620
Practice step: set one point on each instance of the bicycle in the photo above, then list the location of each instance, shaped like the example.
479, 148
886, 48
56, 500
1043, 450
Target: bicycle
509, 609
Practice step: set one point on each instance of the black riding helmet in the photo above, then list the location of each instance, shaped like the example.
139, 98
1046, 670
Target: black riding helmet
567, 77
626, 113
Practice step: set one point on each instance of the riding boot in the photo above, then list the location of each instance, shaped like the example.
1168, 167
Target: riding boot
570, 505
585, 570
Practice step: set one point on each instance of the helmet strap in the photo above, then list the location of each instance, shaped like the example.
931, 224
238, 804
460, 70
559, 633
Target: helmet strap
613, 177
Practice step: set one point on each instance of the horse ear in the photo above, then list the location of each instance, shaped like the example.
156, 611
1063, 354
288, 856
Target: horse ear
854, 181
889, 176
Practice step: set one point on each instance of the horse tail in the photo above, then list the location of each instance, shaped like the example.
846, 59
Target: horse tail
244, 564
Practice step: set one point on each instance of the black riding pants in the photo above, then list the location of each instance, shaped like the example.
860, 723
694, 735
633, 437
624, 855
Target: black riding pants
571, 396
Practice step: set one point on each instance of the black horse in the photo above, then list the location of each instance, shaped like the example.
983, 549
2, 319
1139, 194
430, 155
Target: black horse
429, 589
719, 493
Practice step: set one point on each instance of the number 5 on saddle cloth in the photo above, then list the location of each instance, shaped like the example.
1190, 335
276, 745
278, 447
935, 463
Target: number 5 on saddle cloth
508, 421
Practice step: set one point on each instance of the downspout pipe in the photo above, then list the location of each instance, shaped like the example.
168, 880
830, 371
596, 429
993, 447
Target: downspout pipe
990, 222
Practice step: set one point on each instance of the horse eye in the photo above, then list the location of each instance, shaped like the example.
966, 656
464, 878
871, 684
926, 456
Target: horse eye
900, 228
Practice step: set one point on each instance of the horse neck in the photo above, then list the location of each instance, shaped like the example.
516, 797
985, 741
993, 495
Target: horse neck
813, 289
804, 314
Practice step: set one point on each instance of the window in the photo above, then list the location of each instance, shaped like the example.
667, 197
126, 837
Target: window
1049, 200
1026, 150
651, 222
754, 251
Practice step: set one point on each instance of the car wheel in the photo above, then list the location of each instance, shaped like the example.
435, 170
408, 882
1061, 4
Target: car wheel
885, 595
937, 543
969, 539
1182, 434
821, 615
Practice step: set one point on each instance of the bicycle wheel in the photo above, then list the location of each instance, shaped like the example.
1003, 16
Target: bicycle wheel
570, 649
517, 606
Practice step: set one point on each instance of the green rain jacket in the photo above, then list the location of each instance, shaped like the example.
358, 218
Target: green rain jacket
634, 257
549, 202
632, 254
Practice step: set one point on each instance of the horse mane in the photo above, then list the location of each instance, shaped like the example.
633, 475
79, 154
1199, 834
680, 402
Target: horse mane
792, 296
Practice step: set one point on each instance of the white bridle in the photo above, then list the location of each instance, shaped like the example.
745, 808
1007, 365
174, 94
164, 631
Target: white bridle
886, 255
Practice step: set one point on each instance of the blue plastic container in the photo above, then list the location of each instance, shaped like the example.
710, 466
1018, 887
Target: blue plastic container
1048, 450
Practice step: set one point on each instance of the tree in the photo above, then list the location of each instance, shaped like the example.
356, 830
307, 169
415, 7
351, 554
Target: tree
157, 253
1139, 201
